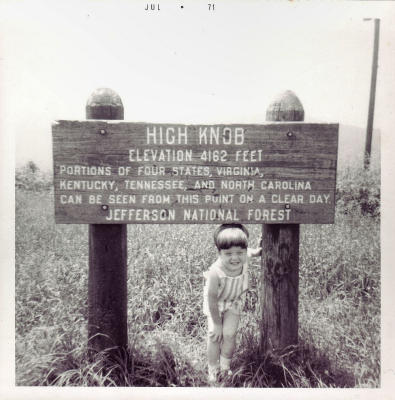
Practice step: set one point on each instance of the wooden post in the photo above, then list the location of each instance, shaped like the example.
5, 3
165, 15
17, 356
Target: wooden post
280, 257
107, 290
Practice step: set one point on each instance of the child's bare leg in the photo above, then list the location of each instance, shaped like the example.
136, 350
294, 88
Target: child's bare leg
229, 330
213, 352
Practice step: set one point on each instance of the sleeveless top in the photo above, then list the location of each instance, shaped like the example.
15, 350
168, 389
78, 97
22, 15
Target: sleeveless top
230, 289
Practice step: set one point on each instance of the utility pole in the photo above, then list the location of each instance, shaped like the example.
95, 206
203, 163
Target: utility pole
369, 129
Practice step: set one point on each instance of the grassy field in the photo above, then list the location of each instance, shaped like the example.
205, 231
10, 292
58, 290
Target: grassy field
339, 300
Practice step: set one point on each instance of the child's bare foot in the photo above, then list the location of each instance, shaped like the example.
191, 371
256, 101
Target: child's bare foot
225, 374
213, 375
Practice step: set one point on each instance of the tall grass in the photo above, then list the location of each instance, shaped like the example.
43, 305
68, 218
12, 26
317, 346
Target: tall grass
339, 301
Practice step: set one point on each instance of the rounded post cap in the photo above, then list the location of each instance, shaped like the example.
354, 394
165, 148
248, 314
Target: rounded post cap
104, 103
285, 107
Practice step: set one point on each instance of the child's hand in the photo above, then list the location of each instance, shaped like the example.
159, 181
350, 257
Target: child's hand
216, 334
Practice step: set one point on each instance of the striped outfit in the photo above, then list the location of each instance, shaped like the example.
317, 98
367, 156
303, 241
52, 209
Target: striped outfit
231, 290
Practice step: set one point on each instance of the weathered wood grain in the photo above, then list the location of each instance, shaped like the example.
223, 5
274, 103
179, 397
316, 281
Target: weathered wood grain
280, 258
289, 152
107, 279
280, 289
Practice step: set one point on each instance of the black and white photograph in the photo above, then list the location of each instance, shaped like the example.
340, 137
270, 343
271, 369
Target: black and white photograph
196, 199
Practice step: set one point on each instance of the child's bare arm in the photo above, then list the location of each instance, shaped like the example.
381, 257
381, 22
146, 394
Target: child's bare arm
212, 282
255, 252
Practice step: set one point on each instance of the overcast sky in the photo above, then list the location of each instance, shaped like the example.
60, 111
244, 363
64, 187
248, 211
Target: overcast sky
188, 65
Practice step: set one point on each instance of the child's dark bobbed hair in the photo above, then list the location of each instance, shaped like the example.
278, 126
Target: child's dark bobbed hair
229, 235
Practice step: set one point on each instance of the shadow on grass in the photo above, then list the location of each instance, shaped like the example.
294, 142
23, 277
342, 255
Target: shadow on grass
157, 366
164, 364
301, 366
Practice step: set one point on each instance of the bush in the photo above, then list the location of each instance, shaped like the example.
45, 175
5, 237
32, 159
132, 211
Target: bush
358, 190
30, 177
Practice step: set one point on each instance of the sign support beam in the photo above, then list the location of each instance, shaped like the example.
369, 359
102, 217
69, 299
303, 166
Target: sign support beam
107, 281
280, 258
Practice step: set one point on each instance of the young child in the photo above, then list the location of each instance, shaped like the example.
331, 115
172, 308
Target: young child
226, 282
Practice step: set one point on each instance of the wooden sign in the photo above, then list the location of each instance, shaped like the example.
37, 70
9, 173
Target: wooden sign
115, 172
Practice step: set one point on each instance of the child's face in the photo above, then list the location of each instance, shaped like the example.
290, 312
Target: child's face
233, 258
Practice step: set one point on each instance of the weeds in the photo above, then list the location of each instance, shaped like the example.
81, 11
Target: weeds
339, 301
